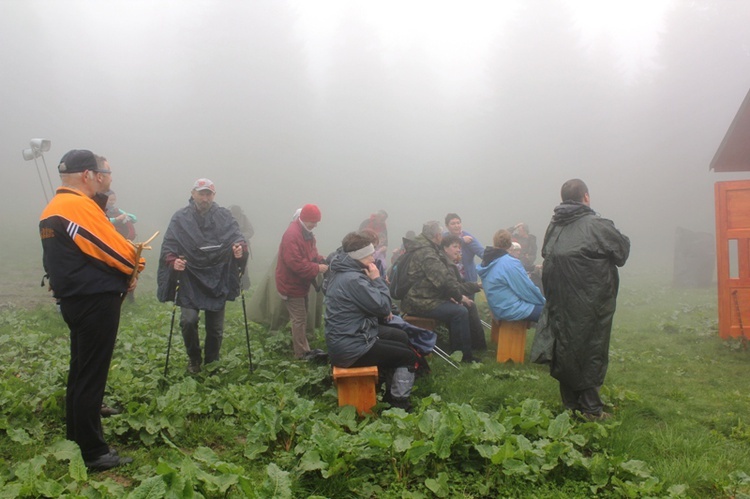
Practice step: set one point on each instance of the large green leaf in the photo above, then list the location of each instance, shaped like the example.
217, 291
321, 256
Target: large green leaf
150, 488
443, 441
559, 427
278, 484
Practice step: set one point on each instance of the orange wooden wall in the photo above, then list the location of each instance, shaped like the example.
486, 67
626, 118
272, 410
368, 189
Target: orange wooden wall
733, 224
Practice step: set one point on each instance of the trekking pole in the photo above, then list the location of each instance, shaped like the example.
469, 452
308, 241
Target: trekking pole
441, 353
485, 324
244, 314
171, 327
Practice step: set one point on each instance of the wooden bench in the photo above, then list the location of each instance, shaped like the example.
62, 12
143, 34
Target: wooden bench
510, 337
356, 386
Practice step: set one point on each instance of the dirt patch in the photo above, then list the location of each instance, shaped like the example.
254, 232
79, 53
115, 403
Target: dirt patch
22, 275
20, 288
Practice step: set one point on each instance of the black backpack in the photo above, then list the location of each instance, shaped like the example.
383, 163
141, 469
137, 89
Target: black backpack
400, 284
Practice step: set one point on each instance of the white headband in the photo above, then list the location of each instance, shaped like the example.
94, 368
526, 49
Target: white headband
362, 252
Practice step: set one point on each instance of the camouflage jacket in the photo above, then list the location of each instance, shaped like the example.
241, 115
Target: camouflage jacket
433, 276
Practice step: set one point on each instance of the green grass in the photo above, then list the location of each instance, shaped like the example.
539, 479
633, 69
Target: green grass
681, 426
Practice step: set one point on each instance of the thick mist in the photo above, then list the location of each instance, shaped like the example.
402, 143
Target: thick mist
249, 95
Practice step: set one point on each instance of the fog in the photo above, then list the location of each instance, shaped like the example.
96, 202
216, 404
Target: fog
418, 108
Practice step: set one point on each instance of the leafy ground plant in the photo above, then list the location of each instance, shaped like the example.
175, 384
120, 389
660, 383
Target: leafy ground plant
491, 430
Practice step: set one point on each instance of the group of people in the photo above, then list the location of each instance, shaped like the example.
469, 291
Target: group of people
442, 277
91, 266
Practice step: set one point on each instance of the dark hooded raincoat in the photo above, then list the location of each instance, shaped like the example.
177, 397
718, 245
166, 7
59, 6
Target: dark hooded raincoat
581, 254
212, 274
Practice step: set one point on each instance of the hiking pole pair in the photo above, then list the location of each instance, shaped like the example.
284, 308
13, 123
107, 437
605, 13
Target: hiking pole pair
244, 314
441, 353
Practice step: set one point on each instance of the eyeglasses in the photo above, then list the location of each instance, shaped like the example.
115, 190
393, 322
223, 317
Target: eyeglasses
105, 172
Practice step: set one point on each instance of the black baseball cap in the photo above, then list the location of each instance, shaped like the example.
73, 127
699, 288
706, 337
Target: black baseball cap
77, 160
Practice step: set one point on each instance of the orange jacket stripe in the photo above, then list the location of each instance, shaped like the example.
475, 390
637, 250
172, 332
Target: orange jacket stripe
91, 230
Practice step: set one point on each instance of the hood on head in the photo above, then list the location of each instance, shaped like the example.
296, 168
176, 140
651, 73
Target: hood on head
569, 212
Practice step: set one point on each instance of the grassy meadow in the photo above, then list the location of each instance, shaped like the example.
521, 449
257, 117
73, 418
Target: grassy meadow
681, 425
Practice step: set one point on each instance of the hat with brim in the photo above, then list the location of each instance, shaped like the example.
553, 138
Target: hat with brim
204, 184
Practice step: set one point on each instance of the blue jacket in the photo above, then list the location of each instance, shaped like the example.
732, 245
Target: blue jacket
510, 293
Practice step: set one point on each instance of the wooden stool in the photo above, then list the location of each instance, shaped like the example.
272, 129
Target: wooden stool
495, 330
423, 322
511, 340
356, 386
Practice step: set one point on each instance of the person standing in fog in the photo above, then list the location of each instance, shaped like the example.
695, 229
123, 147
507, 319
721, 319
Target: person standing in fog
123, 221
203, 253
89, 265
520, 234
298, 265
581, 254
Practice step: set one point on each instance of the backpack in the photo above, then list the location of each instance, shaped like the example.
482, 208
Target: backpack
400, 284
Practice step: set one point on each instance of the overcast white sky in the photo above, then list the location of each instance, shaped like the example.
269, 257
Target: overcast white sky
457, 36
420, 108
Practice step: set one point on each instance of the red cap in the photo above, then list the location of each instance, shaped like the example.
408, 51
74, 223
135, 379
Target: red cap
310, 213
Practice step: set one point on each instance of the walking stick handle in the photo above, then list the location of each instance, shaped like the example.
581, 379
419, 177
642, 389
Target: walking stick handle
139, 247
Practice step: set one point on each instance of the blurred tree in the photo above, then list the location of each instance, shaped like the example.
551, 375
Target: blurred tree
688, 103
554, 107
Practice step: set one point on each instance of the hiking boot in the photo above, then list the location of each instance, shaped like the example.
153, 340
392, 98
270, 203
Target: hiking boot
107, 461
471, 359
194, 367
107, 411
602, 416
401, 403
316, 355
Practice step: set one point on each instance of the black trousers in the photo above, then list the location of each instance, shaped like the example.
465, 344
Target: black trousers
93, 321
391, 350
189, 319
587, 401
478, 340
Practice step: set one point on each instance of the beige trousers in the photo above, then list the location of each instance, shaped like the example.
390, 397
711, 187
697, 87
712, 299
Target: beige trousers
297, 308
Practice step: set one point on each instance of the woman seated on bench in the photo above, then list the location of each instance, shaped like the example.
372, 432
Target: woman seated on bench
356, 298
510, 293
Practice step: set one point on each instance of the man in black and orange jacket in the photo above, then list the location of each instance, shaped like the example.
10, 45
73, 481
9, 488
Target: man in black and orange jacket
89, 265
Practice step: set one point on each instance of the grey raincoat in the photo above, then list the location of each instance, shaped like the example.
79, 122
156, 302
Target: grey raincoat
354, 302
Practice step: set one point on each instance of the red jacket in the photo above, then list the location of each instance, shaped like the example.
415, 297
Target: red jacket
297, 266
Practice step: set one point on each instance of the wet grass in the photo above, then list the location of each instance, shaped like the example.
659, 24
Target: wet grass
678, 392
